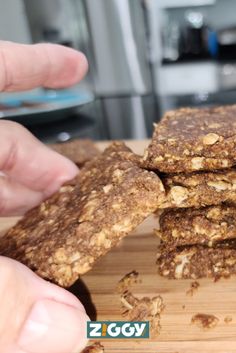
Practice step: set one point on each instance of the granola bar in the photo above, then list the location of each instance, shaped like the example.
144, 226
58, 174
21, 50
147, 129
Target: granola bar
199, 189
79, 151
190, 226
198, 261
63, 237
190, 139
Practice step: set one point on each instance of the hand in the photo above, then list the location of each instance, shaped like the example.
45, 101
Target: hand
36, 316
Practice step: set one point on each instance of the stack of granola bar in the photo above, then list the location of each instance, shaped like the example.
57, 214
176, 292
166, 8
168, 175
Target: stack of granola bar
195, 149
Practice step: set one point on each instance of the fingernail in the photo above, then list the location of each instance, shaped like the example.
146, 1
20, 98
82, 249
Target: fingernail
53, 327
66, 176
69, 173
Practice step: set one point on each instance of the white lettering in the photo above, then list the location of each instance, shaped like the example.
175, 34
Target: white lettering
127, 330
95, 329
139, 329
111, 332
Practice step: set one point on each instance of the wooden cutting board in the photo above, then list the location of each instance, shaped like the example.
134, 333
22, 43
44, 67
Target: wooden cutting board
97, 290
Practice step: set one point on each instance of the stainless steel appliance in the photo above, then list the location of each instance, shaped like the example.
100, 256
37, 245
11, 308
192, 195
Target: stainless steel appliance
120, 65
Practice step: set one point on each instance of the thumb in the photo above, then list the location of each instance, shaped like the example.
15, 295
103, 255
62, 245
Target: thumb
37, 316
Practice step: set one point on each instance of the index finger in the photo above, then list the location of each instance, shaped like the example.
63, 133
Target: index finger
24, 67
29, 162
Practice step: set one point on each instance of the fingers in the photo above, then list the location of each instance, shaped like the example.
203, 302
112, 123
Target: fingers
24, 67
42, 317
16, 199
29, 162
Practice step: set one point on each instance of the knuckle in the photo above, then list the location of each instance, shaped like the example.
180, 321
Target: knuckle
5, 74
11, 158
12, 132
7, 124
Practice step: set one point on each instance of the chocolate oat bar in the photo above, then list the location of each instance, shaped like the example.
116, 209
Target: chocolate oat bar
190, 139
192, 262
63, 237
79, 151
199, 189
204, 226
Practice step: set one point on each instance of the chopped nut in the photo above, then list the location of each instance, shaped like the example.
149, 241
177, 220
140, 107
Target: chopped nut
175, 233
166, 272
98, 239
182, 260
159, 159
197, 163
225, 163
179, 194
186, 152
210, 139
107, 188
214, 126
66, 188
60, 256
213, 213
230, 261
219, 185
145, 156
118, 174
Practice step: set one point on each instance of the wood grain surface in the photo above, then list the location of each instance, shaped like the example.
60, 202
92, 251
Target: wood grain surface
97, 290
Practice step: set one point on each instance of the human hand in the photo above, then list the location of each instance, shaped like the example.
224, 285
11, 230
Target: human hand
36, 316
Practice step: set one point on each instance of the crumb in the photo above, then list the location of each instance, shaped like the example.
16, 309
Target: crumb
127, 281
183, 307
96, 347
228, 319
205, 321
193, 288
144, 309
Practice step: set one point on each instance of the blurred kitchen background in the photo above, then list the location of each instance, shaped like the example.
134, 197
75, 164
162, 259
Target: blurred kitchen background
146, 57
